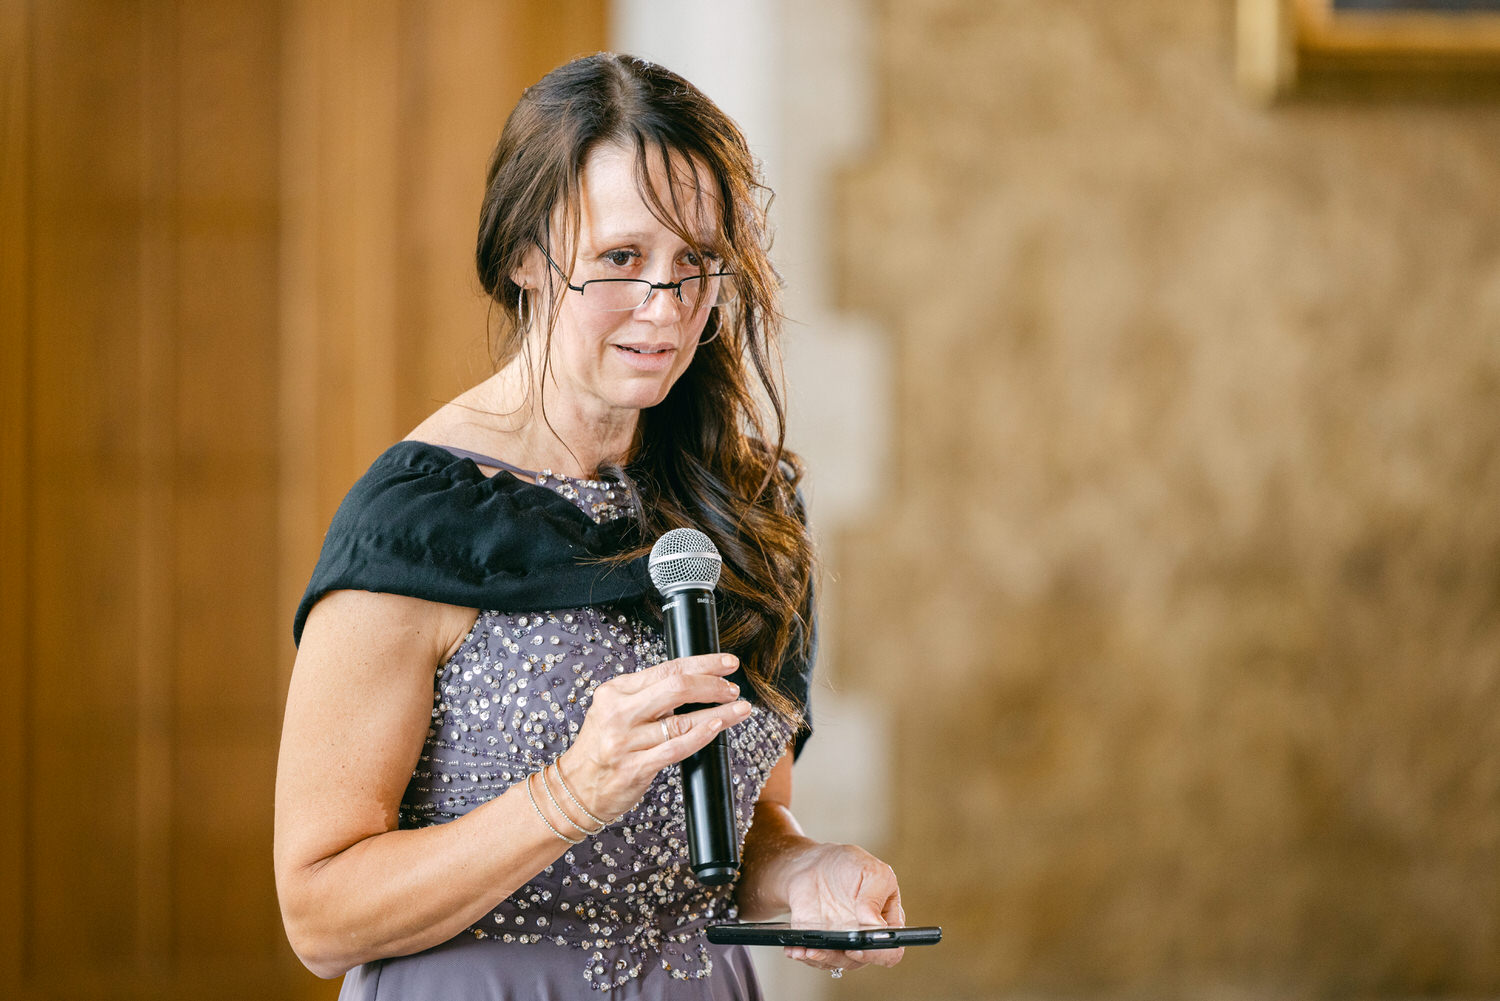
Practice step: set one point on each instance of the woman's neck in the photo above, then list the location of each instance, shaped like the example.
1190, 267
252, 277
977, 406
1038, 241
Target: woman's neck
568, 439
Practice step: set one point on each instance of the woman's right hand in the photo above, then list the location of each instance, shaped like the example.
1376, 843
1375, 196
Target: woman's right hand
631, 732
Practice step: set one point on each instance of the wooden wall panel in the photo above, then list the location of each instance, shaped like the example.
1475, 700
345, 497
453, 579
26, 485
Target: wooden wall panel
449, 50
225, 685
150, 430
153, 477
339, 165
85, 375
234, 265
15, 549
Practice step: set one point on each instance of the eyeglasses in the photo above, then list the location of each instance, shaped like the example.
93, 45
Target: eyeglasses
619, 295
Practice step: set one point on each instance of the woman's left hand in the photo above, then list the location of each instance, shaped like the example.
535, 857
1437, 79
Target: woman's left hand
843, 886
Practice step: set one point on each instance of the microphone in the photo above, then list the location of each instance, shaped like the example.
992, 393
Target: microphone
685, 568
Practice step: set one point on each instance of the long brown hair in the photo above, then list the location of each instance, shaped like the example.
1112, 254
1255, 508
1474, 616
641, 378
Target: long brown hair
712, 455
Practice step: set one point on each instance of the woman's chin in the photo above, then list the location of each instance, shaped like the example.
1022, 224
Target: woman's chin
639, 397
644, 392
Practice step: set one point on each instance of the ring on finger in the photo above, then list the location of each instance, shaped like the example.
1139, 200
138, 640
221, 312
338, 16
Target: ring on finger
666, 732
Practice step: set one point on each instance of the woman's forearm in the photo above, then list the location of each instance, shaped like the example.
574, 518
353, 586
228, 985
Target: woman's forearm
774, 847
403, 891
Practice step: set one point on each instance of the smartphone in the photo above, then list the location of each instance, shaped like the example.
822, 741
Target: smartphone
783, 934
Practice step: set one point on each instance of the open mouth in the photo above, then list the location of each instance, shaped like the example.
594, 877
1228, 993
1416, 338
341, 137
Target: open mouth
643, 351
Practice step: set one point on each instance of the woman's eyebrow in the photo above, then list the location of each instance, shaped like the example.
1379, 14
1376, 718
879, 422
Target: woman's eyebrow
621, 237
598, 240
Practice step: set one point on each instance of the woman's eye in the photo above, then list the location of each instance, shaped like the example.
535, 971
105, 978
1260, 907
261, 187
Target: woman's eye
619, 258
705, 262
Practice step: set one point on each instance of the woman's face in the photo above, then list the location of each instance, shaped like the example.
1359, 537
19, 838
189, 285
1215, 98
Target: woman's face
605, 363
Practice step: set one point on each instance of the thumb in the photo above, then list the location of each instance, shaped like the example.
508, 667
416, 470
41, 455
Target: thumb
867, 912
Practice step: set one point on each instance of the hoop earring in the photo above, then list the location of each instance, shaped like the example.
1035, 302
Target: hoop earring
523, 311
718, 329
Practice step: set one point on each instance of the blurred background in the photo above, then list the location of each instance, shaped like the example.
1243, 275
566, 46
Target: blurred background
1146, 356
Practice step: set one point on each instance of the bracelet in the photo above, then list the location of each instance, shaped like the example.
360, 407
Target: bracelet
547, 788
539, 813
557, 764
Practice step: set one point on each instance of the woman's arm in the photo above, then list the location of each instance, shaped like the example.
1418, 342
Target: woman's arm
819, 883
354, 888
773, 845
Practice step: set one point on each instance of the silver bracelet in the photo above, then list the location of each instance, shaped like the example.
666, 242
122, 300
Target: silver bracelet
547, 788
542, 815
557, 764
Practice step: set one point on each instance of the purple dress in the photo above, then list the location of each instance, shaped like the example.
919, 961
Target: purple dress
620, 914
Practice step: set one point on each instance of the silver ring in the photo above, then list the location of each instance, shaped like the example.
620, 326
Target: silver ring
666, 734
837, 972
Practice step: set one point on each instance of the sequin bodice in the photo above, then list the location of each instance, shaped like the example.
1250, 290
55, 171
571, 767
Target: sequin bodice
510, 700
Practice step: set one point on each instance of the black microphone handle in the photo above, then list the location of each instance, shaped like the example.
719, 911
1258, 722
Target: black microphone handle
692, 625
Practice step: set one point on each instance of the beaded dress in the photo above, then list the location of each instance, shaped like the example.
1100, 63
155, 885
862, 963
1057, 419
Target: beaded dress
619, 916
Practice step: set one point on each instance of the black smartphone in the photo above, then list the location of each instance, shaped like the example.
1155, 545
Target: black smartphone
782, 933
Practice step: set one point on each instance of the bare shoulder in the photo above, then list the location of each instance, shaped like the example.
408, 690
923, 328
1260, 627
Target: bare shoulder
374, 629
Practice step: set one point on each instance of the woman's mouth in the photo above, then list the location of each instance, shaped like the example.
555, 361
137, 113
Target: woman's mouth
647, 357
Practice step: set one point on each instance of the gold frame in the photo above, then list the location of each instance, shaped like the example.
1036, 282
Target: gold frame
1290, 48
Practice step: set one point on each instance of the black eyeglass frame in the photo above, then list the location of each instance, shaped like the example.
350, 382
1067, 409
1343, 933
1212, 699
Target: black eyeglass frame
674, 287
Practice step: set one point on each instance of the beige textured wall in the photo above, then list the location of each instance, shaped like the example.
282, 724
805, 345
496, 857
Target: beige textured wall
1187, 581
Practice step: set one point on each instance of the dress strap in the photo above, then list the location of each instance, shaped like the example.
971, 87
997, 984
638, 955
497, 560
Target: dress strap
485, 460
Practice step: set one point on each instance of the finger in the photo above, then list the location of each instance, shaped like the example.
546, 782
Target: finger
806, 956
889, 914
669, 694
876, 957
831, 959
894, 913
879, 900
691, 732
717, 664
673, 726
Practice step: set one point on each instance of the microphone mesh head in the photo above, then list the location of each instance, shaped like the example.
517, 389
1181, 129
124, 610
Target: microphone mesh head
684, 557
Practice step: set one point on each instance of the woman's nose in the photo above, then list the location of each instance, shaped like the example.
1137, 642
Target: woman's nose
661, 306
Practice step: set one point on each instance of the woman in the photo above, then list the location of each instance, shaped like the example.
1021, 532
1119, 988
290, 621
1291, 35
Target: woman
478, 794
